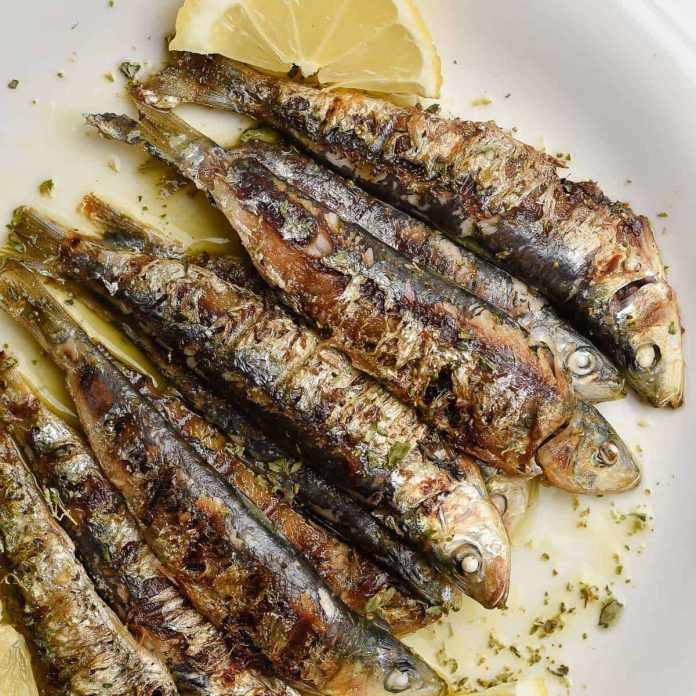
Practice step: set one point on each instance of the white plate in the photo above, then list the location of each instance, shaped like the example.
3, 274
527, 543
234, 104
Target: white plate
611, 82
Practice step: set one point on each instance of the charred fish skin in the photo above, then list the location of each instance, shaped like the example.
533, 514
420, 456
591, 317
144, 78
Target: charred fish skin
594, 377
202, 161
126, 572
295, 481
595, 259
453, 392
342, 419
82, 645
468, 371
335, 562
337, 510
208, 536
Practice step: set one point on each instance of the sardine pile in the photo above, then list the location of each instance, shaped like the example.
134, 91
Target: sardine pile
345, 425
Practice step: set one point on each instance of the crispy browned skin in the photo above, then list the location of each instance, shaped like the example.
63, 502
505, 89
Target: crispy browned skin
463, 379
125, 570
593, 376
83, 648
467, 369
345, 423
595, 259
246, 579
362, 586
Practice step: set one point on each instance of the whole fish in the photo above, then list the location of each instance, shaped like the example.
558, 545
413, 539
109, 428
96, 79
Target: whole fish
593, 376
83, 648
346, 425
471, 373
594, 259
246, 579
126, 572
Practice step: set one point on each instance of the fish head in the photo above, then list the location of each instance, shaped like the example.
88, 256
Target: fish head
595, 378
588, 456
648, 317
376, 663
478, 555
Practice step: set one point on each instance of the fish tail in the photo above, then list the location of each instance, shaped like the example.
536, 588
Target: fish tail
213, 81
35, 238
122, 232
27, 300
165, 136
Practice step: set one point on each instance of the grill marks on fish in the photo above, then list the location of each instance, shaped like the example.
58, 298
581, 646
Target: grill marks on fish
345, 423
593, 376
285, 476
469, 371
126, 572
355, 580
485, 189
235, 569
80, 642
570, 458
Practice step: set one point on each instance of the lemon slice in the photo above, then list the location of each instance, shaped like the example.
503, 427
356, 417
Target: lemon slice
16, 676
378, 45
531, 687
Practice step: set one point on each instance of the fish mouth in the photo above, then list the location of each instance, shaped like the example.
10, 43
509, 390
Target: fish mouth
653, 352
588, 456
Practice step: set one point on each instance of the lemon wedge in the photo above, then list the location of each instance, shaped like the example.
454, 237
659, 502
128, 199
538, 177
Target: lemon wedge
531, 687
377, 45
16, 676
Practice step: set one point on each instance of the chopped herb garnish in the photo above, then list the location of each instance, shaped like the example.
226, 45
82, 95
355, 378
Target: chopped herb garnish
130, 69
60, 74
47, 187
610, 613
294, 71
662, 215
397, 452
377, 602
265, 135
433, 109
109, 77
13, 84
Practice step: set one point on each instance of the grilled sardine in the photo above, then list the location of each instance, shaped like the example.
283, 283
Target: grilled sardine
470, 372
345, 423
595, 259
126, 572
241, 575
593, 376
83, 647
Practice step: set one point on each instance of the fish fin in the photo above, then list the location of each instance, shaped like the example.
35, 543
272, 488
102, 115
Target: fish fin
121, 231
25, 298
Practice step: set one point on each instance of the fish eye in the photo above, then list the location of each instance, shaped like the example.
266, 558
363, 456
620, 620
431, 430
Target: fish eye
581, 362
647, 356
608, 453
468, 560
500, 501
399, 679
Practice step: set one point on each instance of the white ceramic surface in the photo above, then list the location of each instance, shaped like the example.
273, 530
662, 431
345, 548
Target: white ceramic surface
611, 81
